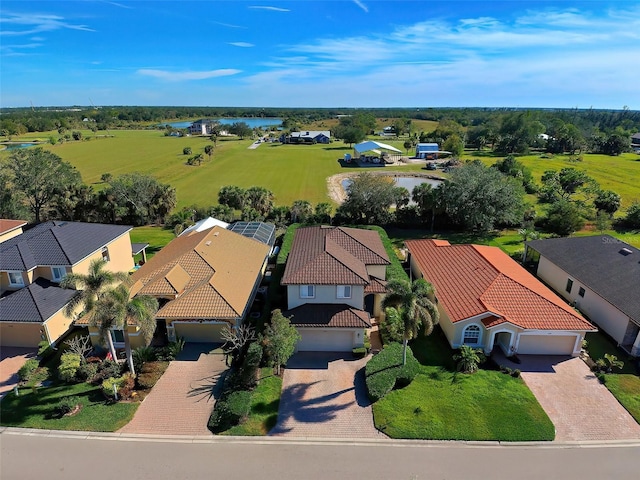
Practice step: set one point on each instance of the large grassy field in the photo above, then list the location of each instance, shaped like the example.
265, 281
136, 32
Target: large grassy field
292, 172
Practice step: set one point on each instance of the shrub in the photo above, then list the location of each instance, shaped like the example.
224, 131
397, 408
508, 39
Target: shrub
66, 405
27, 370
229, 411
118, 382
45, 351
150, 373
69, 364
187, 151
469, 359
248, 371
385, 371
128, 383
142, 355
108, 369
359, 352
171, 351
87, 371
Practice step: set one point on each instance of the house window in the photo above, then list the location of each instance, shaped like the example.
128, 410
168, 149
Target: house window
344, 291
105, 254
16, 279
117, 336
471, 335
58, 273
581, 292
307, 291
569, 285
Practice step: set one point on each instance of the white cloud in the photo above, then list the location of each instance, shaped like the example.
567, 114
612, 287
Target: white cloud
36, 23
242, 44
187, 75
229, 25
361, 5
272, 9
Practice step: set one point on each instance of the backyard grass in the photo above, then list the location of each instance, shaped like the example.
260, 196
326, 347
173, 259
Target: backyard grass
156, 237
441, 404
626, 389
34, 408
263, 413
598, 344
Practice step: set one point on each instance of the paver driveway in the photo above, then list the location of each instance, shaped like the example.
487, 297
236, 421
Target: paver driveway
11, 360
580, 407
182, 400
324, 395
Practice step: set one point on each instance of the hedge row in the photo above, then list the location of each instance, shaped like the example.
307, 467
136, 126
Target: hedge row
385, 371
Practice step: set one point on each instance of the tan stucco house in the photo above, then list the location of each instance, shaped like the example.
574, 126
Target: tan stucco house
204, 282
10, 228
600, 276
33, 263
487, 300
335, 279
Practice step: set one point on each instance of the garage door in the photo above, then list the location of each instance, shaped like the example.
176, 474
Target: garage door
20, 335
325, 340
546, 344
200, 332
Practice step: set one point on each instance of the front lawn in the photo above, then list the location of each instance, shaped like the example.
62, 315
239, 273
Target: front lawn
263, 413
598, 344
441, 404
626, 389
35, 409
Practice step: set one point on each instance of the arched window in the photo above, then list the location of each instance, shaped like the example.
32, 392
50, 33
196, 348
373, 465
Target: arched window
471, 335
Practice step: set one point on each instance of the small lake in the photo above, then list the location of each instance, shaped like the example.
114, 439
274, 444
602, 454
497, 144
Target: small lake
14, 146
253, 122
405, 182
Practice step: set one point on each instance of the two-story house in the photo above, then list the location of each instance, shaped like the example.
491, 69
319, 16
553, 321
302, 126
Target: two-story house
335, 279
33, 263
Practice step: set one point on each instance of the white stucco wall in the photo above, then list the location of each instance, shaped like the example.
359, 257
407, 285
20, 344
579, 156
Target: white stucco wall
599, 311
326, 294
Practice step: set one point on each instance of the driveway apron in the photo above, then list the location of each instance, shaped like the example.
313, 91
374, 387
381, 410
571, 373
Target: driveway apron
580, 407
324, 395
183, 399
11, 360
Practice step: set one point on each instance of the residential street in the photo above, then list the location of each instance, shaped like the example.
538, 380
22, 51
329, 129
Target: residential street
71, 456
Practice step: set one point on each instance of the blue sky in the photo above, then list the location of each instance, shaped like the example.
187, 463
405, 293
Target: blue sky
307, 53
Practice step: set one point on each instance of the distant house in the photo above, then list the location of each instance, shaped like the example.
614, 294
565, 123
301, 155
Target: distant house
205, 282
335, 279
10, 228
487, 300
203, 127
307, 136
598, 274
428, 151
33, 263
635, 140
388, 131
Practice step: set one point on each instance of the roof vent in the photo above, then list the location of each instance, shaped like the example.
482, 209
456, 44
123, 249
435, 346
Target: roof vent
207, 243
216, 234
626, 251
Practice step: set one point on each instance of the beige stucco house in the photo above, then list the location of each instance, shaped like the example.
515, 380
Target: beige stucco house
204, 282
600, 276
10, 228
33, 263
487, 300
335, 279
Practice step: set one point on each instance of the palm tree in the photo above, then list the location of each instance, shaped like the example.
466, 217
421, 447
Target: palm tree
410, 301
92, 287
117, 310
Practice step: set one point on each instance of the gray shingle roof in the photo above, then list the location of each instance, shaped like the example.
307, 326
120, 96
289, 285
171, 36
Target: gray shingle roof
606, 265
56, 243
35, 303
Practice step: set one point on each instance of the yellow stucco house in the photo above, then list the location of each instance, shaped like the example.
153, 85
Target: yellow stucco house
204, 282
32, 264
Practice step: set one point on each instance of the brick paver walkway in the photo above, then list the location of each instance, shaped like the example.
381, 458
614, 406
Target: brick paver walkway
182, 400
580, 407
324, 395
11, 360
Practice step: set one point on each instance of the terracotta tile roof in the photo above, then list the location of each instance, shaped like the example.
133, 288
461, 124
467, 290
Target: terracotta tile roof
9, 225
209, 274
376, 286
328, 315
472, 280
332, 256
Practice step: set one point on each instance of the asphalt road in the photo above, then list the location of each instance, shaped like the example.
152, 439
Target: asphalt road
98, 457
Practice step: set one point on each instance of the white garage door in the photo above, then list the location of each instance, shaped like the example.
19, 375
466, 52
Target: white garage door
200, 332
546, 344
325, 340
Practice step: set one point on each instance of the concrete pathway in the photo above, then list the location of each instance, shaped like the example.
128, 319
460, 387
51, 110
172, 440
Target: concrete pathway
11, 360
580, 407
183, 399
324, 395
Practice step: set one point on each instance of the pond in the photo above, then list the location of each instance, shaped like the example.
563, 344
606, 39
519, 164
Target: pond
14, 146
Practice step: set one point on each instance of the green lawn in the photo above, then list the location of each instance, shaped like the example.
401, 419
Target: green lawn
598, 344
441, 404
36, 409
265, 401
156, 237
626, 389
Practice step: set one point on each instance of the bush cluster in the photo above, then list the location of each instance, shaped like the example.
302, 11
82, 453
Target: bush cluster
69, 365
66, 405
124, 385
385, 371
28, 369
509, 371
233, 405
150, 373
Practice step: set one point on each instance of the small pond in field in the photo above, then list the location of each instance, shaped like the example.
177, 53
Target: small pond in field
14, 146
